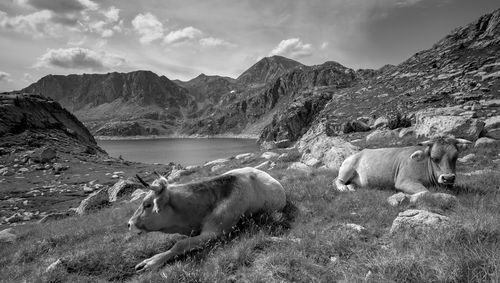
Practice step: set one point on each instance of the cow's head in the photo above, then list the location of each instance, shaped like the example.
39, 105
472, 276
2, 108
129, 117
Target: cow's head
442, 154
154, 213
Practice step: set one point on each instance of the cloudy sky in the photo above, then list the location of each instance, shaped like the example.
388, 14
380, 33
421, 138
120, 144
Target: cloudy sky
183, 38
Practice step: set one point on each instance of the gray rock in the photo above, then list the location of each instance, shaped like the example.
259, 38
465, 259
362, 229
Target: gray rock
268, 145
299, 166
244, 156
7, 236
58, 264
417, 222
405, 132
121, 188
381, 122
217, 161
467, 158
58, 167
485, 141
95, 200
330, 151
447, 121
269, 155
492, 123
43, 155
217, 167
493, 133
283, 143
381, 135
263, 165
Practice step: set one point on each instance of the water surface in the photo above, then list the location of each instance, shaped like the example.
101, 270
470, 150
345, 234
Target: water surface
178, 150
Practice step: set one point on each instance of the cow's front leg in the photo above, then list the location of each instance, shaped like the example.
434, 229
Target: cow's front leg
411, 187
179, 248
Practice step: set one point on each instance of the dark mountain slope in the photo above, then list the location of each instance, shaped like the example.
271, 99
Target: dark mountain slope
267, 70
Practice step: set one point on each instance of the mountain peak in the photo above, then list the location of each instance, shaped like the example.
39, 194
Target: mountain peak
267, 69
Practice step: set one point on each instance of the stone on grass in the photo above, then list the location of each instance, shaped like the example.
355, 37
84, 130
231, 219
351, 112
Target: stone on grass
466, 158
299, 166
217, 161
95, 200
244, 156
217, 167
121, 188
263, 165
55, 265
406, 132
269, 155
7, 236
417, 222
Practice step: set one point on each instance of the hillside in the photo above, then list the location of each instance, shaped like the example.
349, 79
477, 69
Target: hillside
267, 69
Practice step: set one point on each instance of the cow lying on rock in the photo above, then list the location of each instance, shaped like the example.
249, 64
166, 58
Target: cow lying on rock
204, 210
408, 169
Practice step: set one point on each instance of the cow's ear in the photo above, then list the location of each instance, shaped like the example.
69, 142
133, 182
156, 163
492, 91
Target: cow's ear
418, 155
160, 201
159, 185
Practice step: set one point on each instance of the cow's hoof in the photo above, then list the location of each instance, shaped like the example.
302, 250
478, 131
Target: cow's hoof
342, 187
151, 263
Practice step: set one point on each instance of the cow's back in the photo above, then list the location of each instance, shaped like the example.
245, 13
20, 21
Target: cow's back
257, 190
380, 167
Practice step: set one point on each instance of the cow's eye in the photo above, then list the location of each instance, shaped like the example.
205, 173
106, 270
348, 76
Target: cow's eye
147, 205
435, 160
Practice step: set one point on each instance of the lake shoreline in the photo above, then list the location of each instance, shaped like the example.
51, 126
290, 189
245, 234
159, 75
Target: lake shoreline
150, 137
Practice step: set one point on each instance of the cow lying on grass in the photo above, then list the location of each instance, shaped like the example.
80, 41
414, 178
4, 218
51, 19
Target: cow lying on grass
408, 169
206, 209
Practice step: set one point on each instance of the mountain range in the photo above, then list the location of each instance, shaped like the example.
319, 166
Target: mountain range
279, 98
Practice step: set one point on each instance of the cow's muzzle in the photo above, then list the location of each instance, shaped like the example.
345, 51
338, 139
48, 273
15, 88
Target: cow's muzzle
446, 179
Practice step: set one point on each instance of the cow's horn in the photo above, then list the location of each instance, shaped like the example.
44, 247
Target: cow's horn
463, 141
157, 174
142, 181
428, 142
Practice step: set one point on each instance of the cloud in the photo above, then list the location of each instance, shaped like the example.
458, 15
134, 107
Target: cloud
36, 24
148, 26
293, 48
79, 58
4, 77
407, 2
182, 35
215, 42
112, 14
59, 6
324, 45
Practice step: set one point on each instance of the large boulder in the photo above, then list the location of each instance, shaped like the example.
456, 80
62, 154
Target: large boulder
95, 200
316, 148
492, 123
354, 126
417, 222
447, 121
121, 188
381, 122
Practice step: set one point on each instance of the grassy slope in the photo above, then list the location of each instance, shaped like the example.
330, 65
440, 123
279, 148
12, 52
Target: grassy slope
317, 247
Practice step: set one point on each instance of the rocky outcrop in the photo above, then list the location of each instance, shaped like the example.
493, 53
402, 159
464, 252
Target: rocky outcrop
122, 187
20, 112
447, 121
94, 201
319, 149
